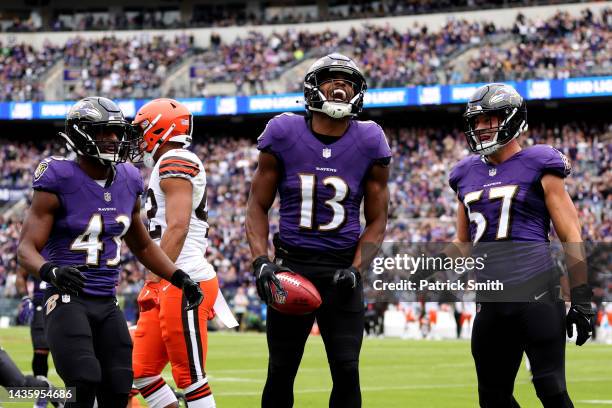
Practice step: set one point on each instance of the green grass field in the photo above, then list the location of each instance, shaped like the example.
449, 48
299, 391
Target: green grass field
394, 373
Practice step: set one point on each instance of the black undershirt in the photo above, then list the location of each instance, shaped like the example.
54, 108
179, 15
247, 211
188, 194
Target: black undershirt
325, 139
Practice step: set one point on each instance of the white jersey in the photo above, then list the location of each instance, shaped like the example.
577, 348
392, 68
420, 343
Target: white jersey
184, 164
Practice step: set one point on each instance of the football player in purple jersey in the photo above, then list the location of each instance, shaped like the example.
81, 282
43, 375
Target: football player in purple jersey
323, 165
507, 197
81, 211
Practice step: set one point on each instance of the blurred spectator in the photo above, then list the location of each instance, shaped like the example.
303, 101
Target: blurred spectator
116, 68
241, 304
232, 14
558, 48
21, 68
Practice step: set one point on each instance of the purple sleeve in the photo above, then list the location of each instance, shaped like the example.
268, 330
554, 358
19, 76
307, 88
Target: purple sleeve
384, 151
555, 162
135, 179
458, 172
265, 141
373, 143
454, 177
45, 177
280, 133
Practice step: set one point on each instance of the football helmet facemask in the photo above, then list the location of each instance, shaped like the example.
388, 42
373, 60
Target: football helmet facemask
494, 100
334, 67
160, 121
90, 124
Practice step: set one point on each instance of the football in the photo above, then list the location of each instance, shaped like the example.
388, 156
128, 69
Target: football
301, 295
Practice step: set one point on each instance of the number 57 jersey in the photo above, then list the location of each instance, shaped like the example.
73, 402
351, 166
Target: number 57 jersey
506, 203
181, 163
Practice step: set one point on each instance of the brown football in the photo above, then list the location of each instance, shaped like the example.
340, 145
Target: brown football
302, 297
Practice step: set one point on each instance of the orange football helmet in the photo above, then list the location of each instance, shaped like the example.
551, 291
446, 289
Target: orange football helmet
160, 121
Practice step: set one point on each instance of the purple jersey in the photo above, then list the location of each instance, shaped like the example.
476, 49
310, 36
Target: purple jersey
506, 203
88, 228
321, 186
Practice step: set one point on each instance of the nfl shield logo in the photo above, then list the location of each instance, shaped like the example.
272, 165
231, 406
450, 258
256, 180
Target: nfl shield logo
107, 197
326, 153
492, 172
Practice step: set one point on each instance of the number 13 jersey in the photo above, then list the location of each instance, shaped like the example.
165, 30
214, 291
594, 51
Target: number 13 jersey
183, 164
322, 185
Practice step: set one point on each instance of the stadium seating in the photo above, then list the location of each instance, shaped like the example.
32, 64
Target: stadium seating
236, 14
457, 52
22, 68
116, 68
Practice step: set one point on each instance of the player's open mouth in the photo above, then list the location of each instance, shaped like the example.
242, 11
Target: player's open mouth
338, 95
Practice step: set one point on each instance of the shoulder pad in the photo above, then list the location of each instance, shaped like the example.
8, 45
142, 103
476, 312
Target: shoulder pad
546, 159
55, 175
133, 177
372, 140
280, 132
461, 169
179, 163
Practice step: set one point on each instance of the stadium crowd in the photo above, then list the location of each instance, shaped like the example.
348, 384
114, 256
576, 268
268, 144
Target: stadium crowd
118, 68
559, 47
21, 69
422, 205
224, 15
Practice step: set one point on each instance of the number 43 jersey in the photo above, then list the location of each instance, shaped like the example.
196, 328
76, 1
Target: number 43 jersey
91, 221
322, 185
183, 164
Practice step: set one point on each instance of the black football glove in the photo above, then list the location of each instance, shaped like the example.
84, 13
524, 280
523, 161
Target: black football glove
265, 274
67, 279
190, 289
580, 314
347, 279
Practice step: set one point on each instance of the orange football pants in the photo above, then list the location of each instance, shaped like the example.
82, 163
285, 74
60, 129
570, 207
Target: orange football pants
168, 333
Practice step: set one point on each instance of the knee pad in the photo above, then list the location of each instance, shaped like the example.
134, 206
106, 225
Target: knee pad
83, 370
561, 400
